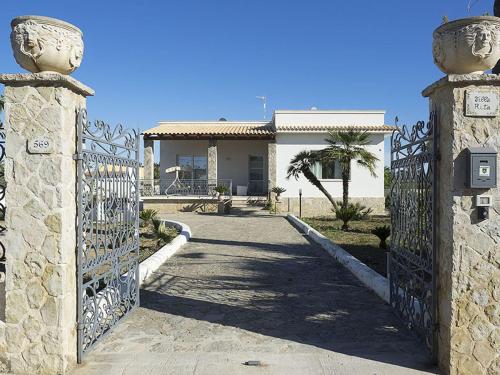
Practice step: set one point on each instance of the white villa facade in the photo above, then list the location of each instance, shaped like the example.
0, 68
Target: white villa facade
252, 157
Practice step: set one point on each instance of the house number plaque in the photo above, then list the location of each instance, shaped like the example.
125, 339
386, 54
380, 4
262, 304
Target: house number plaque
482, 104
40, 145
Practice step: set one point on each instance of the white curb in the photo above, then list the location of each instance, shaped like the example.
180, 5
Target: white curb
373, 280
151, 264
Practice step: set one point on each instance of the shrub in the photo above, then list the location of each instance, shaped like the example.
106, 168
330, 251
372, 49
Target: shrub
148, 215
382, 233
221, 189
156, 224
353, 211
278, 190
166, 234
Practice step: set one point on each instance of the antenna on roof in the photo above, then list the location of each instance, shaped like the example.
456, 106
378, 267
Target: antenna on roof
264, 103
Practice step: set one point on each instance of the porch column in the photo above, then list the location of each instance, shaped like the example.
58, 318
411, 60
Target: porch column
40, 173
212, 159
468, 246
271, 165
149, 159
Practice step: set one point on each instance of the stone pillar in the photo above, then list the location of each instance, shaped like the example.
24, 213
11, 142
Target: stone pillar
41, 210
149, 159
212, 160
468, 248
271, 166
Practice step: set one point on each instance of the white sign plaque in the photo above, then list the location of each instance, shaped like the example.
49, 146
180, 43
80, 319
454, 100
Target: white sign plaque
40, 145
482, 104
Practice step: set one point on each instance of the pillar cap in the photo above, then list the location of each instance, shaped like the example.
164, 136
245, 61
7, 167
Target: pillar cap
50, 79
460, 80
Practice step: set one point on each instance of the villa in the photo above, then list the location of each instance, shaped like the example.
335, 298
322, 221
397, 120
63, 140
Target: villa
251, 157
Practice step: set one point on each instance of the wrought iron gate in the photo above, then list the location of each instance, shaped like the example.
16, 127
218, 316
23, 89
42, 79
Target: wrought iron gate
107, 227
412, 261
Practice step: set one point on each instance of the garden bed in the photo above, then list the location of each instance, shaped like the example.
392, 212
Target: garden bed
150, 241
358, 241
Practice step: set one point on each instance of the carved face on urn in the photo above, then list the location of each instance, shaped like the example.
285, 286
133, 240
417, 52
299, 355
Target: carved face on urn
31, 43
46, 44
483, 41
467, 46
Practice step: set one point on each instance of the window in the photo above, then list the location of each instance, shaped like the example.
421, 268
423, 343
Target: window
192, 167
327, 171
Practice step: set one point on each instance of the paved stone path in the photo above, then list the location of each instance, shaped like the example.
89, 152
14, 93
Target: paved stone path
251, 287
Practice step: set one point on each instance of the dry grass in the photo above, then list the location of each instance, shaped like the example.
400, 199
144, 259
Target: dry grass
358, 241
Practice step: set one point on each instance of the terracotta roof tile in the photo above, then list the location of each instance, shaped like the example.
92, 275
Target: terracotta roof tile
247, 129
208, 128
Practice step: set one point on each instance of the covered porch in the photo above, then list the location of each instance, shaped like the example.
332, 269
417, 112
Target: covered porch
239, 156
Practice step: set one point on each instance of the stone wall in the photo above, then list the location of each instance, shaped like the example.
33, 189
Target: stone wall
468, 249
322, 207
173, 205
40, 241
212, 159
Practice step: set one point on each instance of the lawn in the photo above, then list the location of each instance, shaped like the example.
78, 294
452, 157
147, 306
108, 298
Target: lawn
358, 241
150, 242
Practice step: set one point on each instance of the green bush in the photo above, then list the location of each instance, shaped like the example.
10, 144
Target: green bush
221, 189
166, 234
278, 190
382, 233
156, 224
148, 215
353, 211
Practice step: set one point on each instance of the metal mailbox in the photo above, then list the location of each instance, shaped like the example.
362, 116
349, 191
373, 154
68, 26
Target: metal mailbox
482, 168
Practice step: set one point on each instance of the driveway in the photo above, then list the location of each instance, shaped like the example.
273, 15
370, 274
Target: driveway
250, 287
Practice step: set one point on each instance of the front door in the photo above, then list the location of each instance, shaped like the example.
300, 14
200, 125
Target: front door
255, 175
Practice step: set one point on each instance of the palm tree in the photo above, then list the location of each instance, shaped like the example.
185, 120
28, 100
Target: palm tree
346, 146
301, 164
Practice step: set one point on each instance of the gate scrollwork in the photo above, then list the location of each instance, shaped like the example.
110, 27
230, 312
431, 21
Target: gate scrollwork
108, 227
413, 239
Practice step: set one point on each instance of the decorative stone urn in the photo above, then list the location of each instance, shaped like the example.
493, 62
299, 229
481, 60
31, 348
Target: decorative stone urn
46, 44
468, 45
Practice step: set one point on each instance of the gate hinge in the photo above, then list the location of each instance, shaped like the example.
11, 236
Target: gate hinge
77, 157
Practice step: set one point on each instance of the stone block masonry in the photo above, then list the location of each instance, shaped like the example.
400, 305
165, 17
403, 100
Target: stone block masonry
468, 248
40, 331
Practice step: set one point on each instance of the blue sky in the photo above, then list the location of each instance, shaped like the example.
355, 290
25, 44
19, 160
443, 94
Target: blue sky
200, 60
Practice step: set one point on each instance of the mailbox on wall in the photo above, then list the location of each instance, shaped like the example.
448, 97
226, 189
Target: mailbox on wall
482, 168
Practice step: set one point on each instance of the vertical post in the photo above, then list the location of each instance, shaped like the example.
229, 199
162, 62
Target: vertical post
271, 167
212, 161
468, 295
149, 166
300, 203
41, 263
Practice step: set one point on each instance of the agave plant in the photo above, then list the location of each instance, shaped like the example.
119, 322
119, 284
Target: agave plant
148, 215
278, 191
382, 233
353, 211
165, 234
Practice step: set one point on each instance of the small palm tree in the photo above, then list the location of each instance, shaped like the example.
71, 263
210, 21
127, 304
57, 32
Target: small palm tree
301, 165
344, 147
